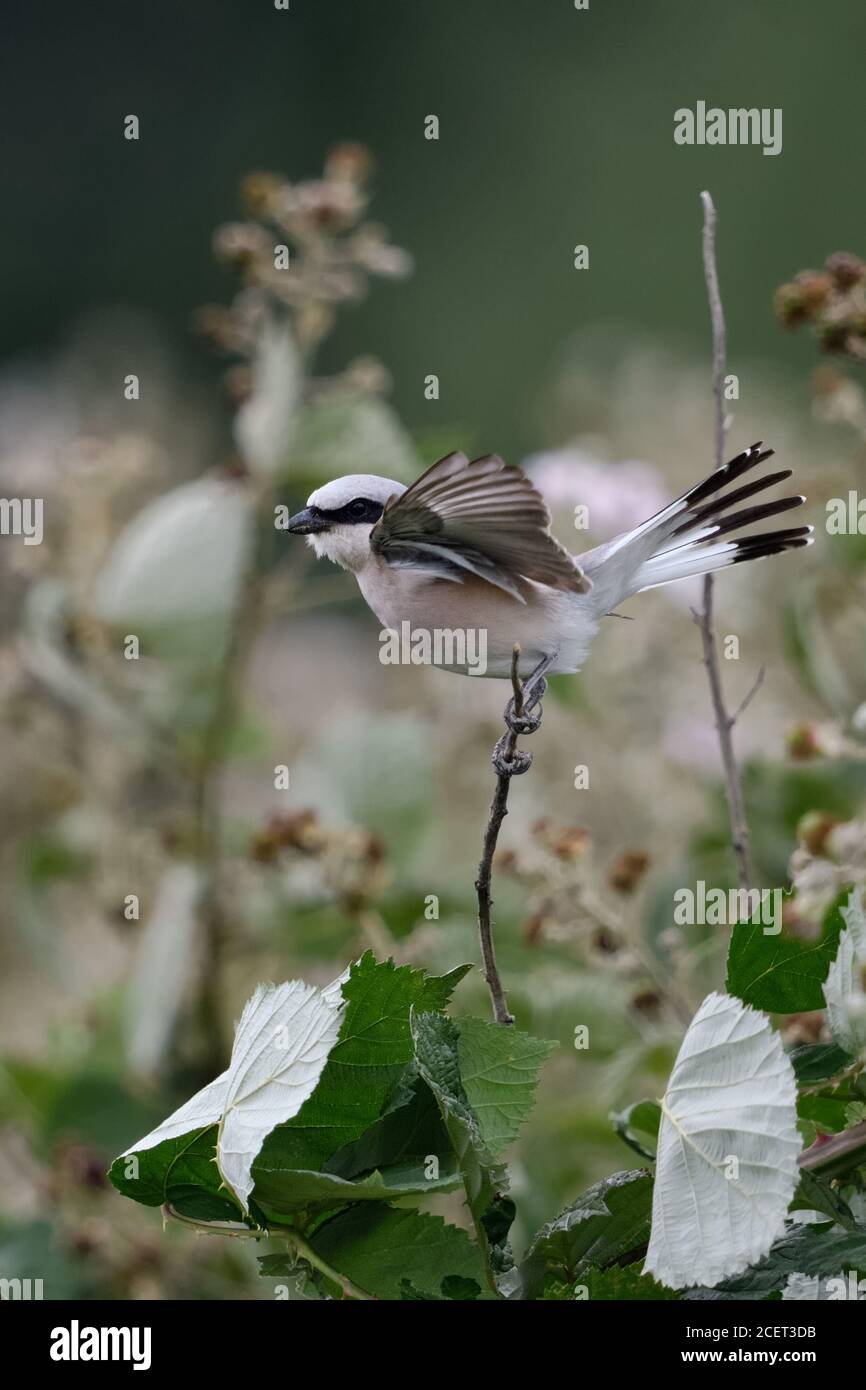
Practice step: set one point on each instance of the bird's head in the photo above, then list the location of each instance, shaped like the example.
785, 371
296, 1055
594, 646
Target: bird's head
339, 517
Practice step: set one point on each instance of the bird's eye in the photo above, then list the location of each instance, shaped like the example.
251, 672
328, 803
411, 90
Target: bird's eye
358, 508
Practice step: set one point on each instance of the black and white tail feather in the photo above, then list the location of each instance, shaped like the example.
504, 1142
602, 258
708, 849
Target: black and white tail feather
686, 537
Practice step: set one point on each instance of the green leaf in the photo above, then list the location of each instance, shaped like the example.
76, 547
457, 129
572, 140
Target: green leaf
818, 1062
437, 1041
499, 1070
181, 1171
378, 1247
410, 1130
782, 974
363, 1071
288, 1191
814, 1193
827, 1113
638, 1125
453, 1287
606, 1225
625, 1284
617, 1284
815, 1250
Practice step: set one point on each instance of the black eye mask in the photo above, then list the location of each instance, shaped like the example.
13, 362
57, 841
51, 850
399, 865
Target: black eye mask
360, 509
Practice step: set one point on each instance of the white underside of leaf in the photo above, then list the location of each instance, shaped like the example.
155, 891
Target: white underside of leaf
203, 1109
844, 991
282, 1043
731, 1096
281, 1046
845, 996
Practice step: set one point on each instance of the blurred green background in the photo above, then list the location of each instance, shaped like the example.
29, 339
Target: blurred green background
556, 128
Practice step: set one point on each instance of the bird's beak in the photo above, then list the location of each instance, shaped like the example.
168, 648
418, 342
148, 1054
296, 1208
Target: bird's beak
306, 522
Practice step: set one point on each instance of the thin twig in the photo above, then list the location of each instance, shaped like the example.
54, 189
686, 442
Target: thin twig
704, 619
299, 1248
509, 761
744, 703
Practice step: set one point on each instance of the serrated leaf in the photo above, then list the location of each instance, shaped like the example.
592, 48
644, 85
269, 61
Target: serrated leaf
279, 1050
499, 1070
378, 1247
364, 1070
626, 1284
781, 974
818, 1062
296, 1190
607, 1224
180, 1170
727, 1158
282, 1044
410, 1130
827, 1113
436, 1042
808, 1250
815, 1194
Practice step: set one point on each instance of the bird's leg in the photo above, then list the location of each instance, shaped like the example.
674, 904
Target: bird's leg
528, 696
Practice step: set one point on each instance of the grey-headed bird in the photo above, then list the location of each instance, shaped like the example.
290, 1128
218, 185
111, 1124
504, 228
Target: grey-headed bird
468, 547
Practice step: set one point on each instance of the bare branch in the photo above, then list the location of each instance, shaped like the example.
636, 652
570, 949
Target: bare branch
509, 761
724, 722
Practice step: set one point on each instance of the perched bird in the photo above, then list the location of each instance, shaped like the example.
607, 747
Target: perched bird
468, 546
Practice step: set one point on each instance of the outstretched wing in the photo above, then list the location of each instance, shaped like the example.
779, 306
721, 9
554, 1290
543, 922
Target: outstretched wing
482, 517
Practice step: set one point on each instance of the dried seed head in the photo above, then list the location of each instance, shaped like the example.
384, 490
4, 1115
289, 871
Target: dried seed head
846, 269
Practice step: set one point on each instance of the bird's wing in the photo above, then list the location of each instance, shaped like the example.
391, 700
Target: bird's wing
482, 517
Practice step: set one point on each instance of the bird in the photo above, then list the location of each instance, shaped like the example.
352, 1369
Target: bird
468, 547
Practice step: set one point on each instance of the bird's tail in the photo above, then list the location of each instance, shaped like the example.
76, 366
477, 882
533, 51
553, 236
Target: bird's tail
696, 533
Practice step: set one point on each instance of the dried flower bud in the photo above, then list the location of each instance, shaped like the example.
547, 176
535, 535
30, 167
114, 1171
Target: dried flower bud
298, 830
605, 941
789, 306
647, 1002
801, 742
216, 325
349, 161
259, 192
846, 269
815, 288
571, 843
813, 830
629, 869
533, 929
834, 337
239, 243
804, 1028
